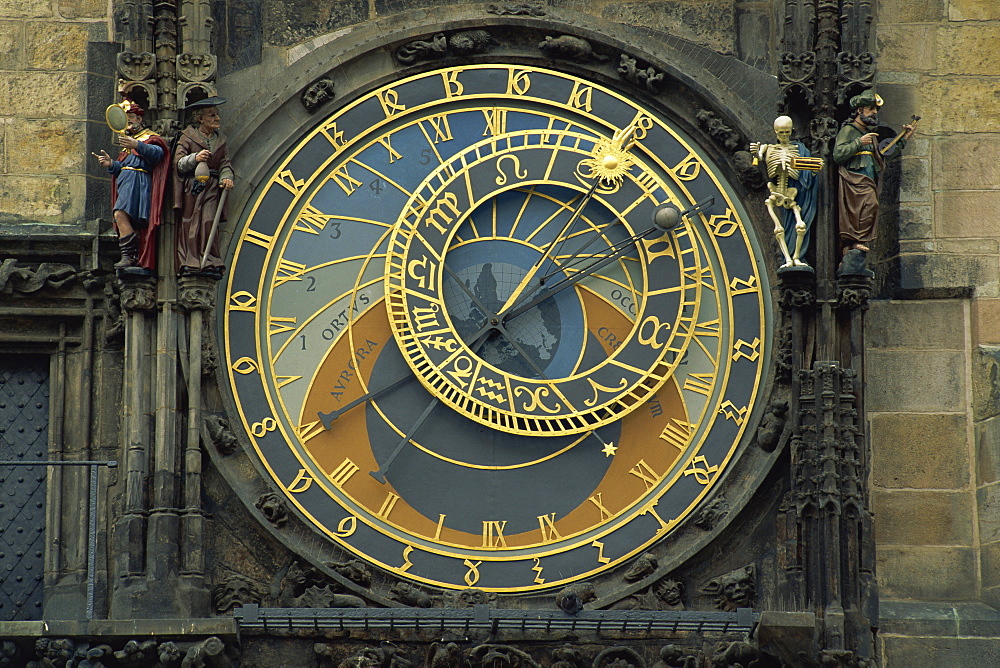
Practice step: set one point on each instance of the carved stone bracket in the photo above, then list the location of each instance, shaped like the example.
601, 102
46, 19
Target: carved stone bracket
317, 94
649, 78
273, 508
197, 292
853, 292
736, 589
216, 430
138, 293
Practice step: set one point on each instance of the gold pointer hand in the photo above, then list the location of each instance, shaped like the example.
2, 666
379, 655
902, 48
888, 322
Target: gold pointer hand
516, 294
609, 161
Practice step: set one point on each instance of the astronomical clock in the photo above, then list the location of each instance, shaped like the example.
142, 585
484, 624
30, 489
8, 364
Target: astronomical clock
497, 326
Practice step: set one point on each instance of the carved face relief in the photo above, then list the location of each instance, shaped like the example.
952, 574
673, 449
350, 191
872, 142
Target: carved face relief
670, 592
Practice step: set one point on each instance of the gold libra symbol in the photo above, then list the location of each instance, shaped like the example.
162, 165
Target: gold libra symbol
689, 168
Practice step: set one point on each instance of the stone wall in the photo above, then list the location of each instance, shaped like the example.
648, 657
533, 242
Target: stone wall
933, 385
46, 69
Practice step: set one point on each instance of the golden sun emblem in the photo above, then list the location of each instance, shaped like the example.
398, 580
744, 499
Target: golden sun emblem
610, 160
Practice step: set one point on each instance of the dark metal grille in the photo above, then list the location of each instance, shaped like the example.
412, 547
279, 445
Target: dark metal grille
24, 422
279, 621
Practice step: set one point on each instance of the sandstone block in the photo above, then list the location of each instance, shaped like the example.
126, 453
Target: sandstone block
906, 47
710, 23
55, 46
988, 500
19, 93
969, 246
927, 573
991, 564
958, 274
967, 164
911, 11
960, 104
915, 180
923, 518
11, 42
915, 222
83, 9
26, 9
971, 49
967, 213
988, 450
919, 451
46, 146
921, 381
48, 199
908, 652
928, 323
973, 10
985, 382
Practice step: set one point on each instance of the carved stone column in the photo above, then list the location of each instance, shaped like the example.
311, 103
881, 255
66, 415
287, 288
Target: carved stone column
138, 299
196, 65
197, 297
165, 40
136, 62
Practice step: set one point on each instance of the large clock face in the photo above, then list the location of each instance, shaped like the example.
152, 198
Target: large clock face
463, 349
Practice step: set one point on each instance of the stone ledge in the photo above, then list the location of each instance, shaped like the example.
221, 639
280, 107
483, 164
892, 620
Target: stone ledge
105, 628
939, 619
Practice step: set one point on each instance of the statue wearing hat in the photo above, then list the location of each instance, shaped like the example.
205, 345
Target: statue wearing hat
138, 183
202, 175
861, 161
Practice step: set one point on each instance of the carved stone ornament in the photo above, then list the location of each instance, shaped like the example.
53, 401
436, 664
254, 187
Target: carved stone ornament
138, 292
823, 130
735, 589
712, 514
723, 134
219, 434
436, 47
736, 653
801, 298
666, 594
197, 292
856, 71
354, 570
571, 599
25, 280
136, 66
444, 655
796, 72
468, 598
488, 656
463, 43
643, 566
672, 656
773, 424
209, 356
412, 596
566, 656
196, 66
233, 591
386, 655
317, 94
570, 47
619, 657
308, 588
517, 9
649, 78
273, 508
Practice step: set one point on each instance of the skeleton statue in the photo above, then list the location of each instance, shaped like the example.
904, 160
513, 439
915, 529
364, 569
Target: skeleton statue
792, 188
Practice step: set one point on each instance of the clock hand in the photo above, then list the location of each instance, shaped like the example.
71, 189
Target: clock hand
384, 468
516, 294
328, 418
665, 218
380, 474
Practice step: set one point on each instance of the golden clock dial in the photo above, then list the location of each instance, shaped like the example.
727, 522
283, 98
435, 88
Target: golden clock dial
462, 350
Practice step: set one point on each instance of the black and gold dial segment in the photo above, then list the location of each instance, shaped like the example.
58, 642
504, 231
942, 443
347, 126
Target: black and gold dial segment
471, 500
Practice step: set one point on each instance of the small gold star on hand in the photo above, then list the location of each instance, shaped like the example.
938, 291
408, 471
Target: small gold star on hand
609, 449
